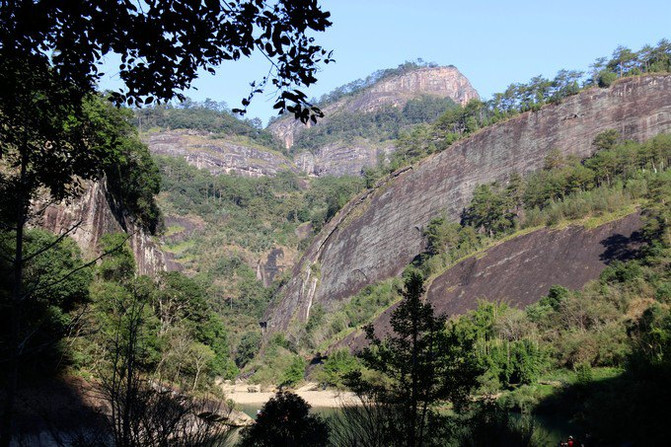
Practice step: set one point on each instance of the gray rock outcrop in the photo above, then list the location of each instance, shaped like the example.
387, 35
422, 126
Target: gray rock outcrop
217, 154
93, 215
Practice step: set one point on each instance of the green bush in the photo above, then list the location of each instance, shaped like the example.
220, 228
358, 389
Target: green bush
294, 373
337, 365
606, 79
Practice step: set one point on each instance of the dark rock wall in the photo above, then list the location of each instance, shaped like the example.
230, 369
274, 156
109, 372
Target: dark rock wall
379, 233
522, 270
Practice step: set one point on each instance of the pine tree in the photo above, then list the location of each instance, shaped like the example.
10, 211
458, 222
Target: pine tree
420, 365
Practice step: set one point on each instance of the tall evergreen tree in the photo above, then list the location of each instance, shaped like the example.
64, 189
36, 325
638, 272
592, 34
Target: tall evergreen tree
420, 364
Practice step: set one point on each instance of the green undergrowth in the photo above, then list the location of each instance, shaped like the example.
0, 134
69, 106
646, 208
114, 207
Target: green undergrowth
324, 329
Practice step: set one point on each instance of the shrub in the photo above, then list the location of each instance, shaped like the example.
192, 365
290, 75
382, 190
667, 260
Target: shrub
294, 373
285, 421
606, 79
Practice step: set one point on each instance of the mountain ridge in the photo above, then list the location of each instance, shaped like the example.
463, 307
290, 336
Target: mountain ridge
222, 153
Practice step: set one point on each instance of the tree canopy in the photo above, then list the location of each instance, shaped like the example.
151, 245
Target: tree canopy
285, 420
414, 368
163, 44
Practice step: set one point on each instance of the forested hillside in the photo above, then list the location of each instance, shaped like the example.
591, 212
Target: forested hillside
240, 236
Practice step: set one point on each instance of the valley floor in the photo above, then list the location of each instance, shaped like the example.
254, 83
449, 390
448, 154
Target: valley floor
244, 394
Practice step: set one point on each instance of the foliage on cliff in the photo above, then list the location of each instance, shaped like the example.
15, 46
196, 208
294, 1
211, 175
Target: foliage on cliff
461, 121
181, 340
617, 177
208, 116
608, 345
132, 177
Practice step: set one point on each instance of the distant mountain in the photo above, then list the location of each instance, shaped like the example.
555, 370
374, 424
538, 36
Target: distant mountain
394, 91
362, 121
360, 126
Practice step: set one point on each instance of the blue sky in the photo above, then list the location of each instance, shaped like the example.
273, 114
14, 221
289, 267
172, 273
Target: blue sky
493, 43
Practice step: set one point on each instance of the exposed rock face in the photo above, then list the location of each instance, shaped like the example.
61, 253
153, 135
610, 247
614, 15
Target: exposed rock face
522, 270
377, 234
181, 228
445, 82
220, 155
274, 263
217, 154
341, 159
93, 212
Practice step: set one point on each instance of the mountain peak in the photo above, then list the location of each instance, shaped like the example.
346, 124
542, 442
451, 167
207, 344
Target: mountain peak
394, 90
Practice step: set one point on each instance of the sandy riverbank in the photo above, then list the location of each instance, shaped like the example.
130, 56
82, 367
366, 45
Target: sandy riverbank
240, 394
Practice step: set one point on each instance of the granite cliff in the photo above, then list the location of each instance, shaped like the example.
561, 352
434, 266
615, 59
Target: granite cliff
521, 270
217, 153
95, 214
378, 233
342, 158
349, 157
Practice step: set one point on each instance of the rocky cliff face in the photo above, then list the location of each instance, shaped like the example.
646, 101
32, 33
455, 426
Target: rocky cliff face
522, 270
275, 263
342, 158
92, 215
445, 82
376, 235
217, 154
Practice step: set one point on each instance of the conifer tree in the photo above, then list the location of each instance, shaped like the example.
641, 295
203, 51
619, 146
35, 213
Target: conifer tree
420, 364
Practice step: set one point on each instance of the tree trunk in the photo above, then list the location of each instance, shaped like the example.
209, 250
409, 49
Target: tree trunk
15, 309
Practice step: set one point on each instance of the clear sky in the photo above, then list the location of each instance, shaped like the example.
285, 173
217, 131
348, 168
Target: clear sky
493, 43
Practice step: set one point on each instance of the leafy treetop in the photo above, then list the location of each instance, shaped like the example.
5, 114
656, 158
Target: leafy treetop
163, 44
